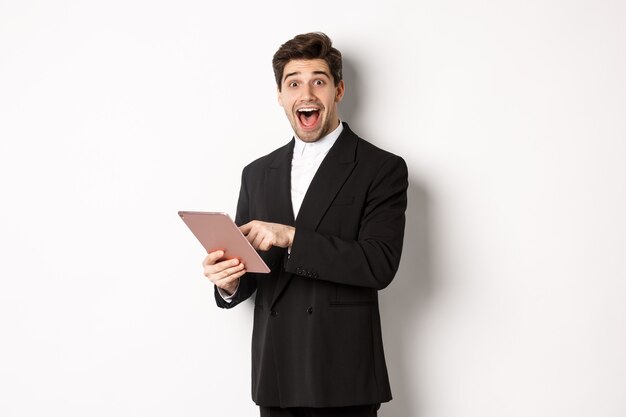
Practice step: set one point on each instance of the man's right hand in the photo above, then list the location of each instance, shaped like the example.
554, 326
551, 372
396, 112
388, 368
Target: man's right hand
224, 274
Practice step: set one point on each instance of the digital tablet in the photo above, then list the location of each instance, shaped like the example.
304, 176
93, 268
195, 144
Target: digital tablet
217, 231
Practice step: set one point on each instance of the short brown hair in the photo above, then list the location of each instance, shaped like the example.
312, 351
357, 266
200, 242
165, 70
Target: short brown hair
314, 45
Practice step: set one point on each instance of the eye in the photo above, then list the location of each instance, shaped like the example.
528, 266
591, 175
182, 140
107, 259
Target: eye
318, 82
293, 84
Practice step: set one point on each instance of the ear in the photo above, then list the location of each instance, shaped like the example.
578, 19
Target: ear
340, 89
279, 96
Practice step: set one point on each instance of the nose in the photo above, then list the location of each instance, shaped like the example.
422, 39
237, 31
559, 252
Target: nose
307, 92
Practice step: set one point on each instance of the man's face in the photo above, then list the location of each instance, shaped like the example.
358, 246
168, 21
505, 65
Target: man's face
310, 97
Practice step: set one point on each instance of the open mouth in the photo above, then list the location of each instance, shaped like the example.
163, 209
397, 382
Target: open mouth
308, 117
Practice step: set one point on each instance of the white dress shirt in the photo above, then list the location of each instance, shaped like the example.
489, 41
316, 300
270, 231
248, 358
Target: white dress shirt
307, 158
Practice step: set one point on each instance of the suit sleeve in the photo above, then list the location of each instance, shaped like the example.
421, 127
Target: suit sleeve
247, 283
373, 258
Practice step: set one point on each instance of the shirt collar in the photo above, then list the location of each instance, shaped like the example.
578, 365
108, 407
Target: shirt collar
321, 145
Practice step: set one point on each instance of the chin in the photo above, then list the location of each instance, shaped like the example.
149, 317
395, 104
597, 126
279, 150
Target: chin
310, 136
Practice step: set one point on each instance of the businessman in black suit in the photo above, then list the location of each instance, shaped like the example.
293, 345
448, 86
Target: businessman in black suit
327, 213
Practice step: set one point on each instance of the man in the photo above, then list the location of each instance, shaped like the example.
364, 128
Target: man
327, 213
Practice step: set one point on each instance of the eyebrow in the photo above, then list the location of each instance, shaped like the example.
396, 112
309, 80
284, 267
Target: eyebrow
298, 73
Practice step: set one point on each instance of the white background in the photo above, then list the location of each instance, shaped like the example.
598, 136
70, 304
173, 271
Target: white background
511, 296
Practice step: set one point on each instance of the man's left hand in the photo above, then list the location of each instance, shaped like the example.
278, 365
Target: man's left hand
263, 235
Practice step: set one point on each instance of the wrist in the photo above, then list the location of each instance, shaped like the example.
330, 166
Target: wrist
230, 289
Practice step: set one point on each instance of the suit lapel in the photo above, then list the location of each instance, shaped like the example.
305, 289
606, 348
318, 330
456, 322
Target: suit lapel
278, 187
328, 180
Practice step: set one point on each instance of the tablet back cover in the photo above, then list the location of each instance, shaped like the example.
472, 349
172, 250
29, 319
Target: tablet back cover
217, 231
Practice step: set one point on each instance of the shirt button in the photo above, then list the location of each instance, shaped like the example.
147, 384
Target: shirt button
274, 313
309, 310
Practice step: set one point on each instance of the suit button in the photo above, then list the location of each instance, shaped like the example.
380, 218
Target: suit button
274, 313
309, 310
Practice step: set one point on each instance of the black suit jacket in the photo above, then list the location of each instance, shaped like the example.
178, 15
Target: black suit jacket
316, 339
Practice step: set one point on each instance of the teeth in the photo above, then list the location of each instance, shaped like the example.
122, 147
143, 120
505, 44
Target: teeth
307, 109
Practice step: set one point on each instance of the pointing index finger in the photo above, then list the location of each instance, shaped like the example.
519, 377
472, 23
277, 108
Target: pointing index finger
245, 229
